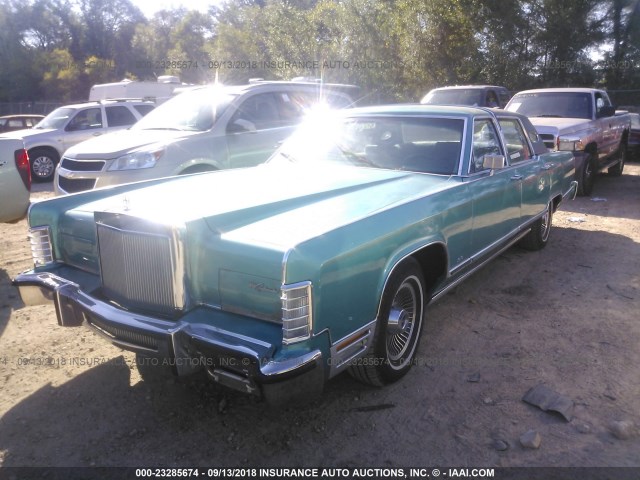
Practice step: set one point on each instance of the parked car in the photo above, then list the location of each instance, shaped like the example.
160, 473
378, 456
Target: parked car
585, 120
9, 123
15, 179
71, 124
278, 277
634, 136
475, 95
201, 129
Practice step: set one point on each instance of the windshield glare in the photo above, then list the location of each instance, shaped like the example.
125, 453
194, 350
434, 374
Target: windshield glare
425, 145
56, 119
552, 104
195, 110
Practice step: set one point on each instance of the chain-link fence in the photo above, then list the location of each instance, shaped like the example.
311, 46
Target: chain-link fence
18, 108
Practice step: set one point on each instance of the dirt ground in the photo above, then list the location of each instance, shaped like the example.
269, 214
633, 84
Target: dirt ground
567, 317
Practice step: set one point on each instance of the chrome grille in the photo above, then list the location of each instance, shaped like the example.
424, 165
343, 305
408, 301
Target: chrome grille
138, 270
75, 185
82, 165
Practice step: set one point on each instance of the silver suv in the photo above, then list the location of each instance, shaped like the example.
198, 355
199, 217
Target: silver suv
72, 124
202, 129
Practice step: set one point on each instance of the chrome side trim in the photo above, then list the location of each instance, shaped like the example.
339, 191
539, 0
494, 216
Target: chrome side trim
456, 282
352, 346
484, 251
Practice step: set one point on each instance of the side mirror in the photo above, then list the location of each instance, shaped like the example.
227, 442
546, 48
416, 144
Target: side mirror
494, 162
607, 111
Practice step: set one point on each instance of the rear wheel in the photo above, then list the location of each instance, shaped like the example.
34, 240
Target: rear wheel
617, 169
538, 237
397, 330
43, 163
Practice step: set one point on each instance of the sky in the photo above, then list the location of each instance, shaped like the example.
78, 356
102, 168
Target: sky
149, 7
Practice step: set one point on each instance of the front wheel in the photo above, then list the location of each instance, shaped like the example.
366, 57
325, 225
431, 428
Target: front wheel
398, 328
538, 237
588, 177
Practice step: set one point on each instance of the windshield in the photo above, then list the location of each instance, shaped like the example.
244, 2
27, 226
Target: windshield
194, 110
458, 96
425, 145
552, 104
635, 121
56, 119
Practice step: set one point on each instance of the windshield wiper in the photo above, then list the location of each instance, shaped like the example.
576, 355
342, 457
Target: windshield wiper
549, 116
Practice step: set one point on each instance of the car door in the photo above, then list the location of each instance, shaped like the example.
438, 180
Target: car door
534, 179
85, 124
496, 193
255, 130
606, 126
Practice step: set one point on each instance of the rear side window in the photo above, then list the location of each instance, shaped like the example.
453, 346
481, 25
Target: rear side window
517, 144
143, 109
119, 116
485, 142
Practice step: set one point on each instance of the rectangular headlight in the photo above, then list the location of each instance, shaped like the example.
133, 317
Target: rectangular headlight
41, 248
297, 319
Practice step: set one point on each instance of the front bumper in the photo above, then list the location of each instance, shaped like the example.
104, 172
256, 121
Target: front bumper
205, 338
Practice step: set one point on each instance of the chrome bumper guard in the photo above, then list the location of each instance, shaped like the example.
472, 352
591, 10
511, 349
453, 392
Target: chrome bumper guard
230, 358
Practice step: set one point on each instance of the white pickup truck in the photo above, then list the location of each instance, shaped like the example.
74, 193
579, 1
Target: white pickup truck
584, 121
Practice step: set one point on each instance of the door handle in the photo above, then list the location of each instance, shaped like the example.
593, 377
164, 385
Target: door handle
2, 164
516, 178
548, 166
97, 134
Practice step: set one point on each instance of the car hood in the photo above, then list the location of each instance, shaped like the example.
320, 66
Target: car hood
116, 144
558, 125
276, 207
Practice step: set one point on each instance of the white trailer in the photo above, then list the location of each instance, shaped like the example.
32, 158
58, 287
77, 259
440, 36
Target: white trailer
158, 91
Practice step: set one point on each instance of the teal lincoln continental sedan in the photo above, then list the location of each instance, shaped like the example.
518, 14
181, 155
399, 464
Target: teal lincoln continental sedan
278, 277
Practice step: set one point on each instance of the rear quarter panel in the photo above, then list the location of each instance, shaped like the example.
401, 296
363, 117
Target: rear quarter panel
14, 196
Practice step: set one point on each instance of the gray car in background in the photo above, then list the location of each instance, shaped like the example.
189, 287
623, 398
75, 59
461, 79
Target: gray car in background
72, 124
473, 95
202, 129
